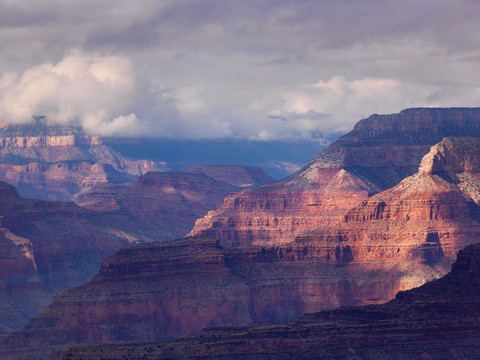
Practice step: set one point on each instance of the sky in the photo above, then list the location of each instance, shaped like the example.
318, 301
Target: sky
249, 69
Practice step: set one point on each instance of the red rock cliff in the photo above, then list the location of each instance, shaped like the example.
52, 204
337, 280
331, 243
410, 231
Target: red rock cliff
377, 154
424, 220
147, 292
437, 321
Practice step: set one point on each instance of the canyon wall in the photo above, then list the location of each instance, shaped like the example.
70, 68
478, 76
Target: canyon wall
436, 321
49, 246
45, 247
377, 154
57, 162
170, 202
152, 291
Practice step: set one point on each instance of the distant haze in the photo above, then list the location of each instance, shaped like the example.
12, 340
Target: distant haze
250, 69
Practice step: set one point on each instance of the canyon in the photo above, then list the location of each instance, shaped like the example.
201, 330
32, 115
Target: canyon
46, 247
170, 202
398, 239
384, 209
438, 320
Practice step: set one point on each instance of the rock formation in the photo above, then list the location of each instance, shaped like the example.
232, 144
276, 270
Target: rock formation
436, 321
377, 154
351, 249
46, 247
170, 202
49, 246
397, 239
427, 218
151, 291
55, 162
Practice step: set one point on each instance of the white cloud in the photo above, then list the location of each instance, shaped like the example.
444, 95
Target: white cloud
93, 91
347, 101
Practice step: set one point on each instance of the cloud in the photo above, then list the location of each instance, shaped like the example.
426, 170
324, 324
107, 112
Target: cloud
336, 104
265, 70
92, 91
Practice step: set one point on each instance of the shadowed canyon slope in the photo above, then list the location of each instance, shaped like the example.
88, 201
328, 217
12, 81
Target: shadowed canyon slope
395, 240
170, 202
147, 292
377, 154
439, 320
46, 247
49, 246
54, 162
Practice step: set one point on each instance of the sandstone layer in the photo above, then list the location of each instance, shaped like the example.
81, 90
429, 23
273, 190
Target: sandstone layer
439, 320
428, 216
54, 162
377, 154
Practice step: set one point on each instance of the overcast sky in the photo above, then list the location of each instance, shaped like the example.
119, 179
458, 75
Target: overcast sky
258, 69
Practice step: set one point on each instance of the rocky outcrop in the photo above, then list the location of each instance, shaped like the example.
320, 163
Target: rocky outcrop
377, 154
56, 162
275, 215
426, 218
168, 202
436, 321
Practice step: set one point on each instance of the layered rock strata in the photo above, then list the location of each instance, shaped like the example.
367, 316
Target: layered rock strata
439, 320
55, 162
170, 202
153, 291
377, 154
428, 217
46, 247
